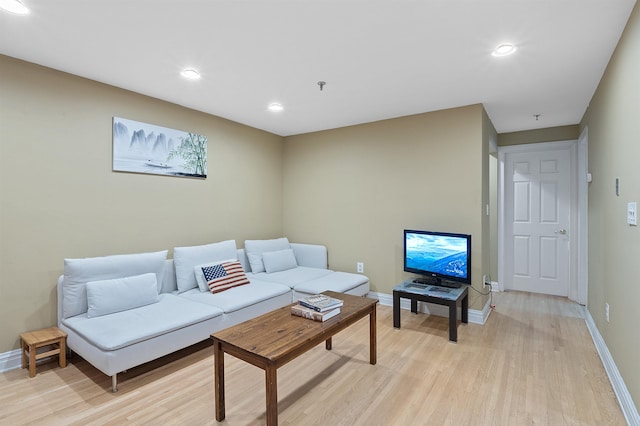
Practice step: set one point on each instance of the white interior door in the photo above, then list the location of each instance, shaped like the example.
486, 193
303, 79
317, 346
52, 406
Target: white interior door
537, 218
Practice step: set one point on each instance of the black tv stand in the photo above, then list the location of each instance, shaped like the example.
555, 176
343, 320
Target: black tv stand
453, 298
436, 281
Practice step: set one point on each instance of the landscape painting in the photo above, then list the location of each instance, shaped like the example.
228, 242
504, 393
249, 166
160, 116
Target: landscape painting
147, 148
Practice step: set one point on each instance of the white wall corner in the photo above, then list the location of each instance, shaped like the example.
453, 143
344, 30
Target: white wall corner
629, 409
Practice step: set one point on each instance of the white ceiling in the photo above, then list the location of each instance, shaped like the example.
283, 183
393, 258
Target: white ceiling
379, 58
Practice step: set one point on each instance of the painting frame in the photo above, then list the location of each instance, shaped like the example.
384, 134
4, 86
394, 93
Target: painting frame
146, 148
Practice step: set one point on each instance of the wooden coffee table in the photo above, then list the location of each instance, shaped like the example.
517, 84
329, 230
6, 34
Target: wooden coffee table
274, 339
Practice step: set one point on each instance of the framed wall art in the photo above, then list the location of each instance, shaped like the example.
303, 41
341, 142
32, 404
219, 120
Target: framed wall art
147, 148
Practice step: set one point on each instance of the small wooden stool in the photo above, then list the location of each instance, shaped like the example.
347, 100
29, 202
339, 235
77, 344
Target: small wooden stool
33, 340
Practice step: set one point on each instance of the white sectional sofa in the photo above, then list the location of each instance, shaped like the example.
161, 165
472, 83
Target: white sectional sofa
124, 310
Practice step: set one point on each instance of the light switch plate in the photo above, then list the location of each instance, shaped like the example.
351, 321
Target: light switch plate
632, 213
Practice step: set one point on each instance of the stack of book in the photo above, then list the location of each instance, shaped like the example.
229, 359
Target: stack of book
317, 307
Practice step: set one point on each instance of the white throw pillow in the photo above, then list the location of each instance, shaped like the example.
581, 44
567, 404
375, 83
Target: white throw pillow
78, 272
281, 260
121, 294
255, 261
200, 278
186, 258
255, 248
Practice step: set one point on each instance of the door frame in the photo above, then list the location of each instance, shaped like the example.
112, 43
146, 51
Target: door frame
578, 282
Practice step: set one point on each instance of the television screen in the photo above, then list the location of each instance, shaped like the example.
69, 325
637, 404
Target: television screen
440, 255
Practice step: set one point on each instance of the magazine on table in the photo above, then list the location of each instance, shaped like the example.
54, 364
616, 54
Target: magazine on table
320, 302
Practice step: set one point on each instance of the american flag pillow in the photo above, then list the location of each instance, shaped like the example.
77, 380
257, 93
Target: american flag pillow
224, 276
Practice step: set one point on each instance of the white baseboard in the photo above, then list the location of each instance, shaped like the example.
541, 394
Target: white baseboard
10, 360
619, 388
475, 316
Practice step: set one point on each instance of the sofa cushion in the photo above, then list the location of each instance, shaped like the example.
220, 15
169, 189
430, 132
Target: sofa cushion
310, 255
186, 258
119, 294
238, 298
77, 272
255, 261
255, 248
121, 329
221, 276
292, 277
335, 281
280, 260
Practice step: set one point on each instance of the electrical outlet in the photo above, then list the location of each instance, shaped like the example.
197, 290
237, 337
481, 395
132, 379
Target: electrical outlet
632, 213
360, 267
486, 281
606, 311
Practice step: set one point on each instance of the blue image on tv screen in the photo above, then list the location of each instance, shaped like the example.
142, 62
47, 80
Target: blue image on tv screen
439, 254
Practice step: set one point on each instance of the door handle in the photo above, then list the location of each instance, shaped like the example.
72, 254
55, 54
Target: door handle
561, 232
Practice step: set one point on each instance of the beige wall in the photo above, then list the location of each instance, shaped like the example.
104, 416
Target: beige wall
549, 134
613, 122
355, 189
59, 197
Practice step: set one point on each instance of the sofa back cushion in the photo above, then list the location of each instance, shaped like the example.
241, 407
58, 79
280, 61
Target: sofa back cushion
78, 272
310, 255
186, 258
121, 294
255, 249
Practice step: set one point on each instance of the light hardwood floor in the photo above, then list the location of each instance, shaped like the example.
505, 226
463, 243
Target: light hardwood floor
533, 362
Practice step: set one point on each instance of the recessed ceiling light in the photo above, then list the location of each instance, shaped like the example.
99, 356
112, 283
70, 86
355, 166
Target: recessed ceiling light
504, 49
275, 107
190, 73
14, 6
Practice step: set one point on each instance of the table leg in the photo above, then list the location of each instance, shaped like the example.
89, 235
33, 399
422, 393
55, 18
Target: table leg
453, 326
24, 358
218, 379
465, 309
328, 343
272, 395
414, 306
396, 309
373, 342
32, 360
62, 357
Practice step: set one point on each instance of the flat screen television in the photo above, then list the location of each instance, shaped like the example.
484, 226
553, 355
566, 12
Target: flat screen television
443, 257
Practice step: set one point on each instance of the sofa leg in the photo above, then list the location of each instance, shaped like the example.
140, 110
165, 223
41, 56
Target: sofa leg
114, 383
